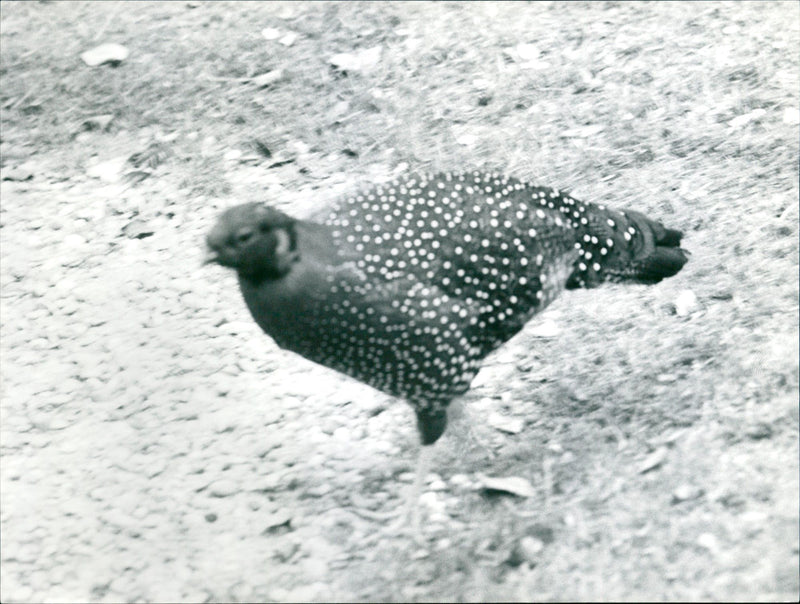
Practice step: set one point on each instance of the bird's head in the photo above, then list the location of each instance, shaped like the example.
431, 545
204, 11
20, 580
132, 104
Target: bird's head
257, 241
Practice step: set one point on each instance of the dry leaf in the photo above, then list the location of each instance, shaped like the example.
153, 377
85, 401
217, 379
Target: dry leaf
512, 425
113, 54
270, 77
509, 484
362, 60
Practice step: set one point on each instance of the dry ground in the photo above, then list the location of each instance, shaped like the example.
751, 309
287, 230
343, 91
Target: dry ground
157, 447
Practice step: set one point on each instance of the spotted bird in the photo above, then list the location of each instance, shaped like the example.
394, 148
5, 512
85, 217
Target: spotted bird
408, 286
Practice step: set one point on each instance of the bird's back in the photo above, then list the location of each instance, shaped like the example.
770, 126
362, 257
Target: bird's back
483, 242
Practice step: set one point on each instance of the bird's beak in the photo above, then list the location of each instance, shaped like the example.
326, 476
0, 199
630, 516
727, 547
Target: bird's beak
211, 258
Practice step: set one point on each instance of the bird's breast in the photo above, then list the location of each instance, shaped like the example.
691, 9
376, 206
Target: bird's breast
283, 307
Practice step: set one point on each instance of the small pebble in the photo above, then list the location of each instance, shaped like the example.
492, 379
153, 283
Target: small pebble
268, 78
461, 480
320, 490
437, 485
137, 229
363, 60
74, 240
223, 488
754, 517
288, 39
467, 140
108, 171
743, 120
98, 122
708, 541
685, 492
686, 303
431, 500
530, 549
270, 33
545, 330
511, 425
277, 519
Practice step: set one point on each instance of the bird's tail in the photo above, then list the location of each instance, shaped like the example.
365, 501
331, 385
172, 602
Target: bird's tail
625, 246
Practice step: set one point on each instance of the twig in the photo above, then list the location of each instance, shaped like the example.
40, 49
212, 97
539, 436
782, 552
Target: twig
208, 76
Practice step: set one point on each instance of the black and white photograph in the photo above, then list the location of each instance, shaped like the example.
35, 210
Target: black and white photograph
399, 301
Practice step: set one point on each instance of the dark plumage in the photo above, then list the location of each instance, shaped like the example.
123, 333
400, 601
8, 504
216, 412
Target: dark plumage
407, 287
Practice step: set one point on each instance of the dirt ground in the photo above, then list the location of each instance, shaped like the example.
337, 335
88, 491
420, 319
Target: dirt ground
156, 446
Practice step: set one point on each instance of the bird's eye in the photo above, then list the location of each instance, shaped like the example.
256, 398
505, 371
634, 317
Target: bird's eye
244, 236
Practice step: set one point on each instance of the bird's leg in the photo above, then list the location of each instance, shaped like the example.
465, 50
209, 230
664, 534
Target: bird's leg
423, 466
410, 513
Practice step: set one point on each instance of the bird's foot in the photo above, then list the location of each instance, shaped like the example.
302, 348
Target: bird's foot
406, 523
406, 519
359, 510
403, 520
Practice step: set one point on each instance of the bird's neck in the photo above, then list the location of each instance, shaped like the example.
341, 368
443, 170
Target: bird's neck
277, 301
